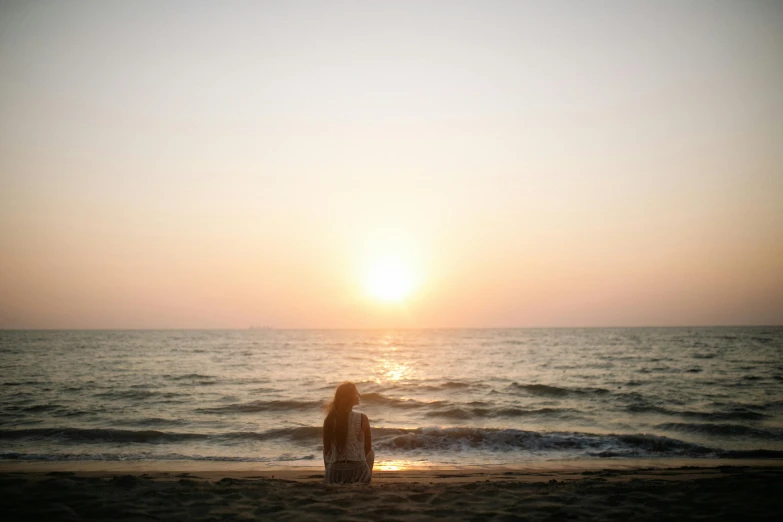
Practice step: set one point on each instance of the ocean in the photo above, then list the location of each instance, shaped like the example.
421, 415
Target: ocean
434, 397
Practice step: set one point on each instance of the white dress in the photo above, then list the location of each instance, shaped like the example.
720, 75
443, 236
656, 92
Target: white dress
349, 464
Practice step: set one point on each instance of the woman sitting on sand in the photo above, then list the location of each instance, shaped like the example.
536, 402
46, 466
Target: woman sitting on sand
348, 454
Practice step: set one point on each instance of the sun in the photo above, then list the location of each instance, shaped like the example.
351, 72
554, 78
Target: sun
389, 280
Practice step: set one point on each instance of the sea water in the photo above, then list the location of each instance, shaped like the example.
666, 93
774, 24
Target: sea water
434, 397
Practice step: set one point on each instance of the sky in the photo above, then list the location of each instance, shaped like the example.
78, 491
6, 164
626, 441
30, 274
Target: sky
170, 164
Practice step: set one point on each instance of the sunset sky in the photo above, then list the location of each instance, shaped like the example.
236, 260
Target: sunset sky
390, 164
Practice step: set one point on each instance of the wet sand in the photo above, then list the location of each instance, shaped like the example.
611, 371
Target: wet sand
746, 490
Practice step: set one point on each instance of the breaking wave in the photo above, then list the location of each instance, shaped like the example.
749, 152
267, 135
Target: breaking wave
395, 441
724, 430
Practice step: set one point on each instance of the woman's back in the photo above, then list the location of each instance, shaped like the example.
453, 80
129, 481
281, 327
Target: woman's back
354, 442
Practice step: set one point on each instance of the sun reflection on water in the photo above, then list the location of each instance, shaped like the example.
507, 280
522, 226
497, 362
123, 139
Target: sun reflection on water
389, 366
391, 370
393, 465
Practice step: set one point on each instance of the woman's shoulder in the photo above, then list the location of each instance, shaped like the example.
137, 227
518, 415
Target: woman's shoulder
359, 418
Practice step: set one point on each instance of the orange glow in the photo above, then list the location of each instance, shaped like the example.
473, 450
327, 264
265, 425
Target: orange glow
390, 370
393, 465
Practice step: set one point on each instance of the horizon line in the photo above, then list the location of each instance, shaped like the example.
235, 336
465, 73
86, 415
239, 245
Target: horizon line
4, 329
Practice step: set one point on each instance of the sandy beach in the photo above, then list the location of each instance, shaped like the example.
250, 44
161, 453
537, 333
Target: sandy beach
750, 490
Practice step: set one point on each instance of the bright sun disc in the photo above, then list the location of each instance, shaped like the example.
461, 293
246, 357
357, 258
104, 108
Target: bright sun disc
389, 281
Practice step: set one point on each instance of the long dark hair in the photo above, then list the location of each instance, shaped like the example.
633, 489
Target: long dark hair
337, 413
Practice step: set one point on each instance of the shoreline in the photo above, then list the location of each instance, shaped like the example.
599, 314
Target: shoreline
731, 490
561, 469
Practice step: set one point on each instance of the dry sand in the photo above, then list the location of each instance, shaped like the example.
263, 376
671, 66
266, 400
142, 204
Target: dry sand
556, 491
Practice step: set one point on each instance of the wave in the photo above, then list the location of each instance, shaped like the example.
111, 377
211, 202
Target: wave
418, 386
395, 441
302, 434
135, 395
191, 377
504, 440
730, 415
310, 434
373, 398
725, 430
14, 455
752, 454
258, 406
737, 414
571, 443
43, 407
554, 391
380, 399
454, 385
98, 435
154, 421
471, 413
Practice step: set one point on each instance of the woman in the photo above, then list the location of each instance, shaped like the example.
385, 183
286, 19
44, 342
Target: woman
348, 454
